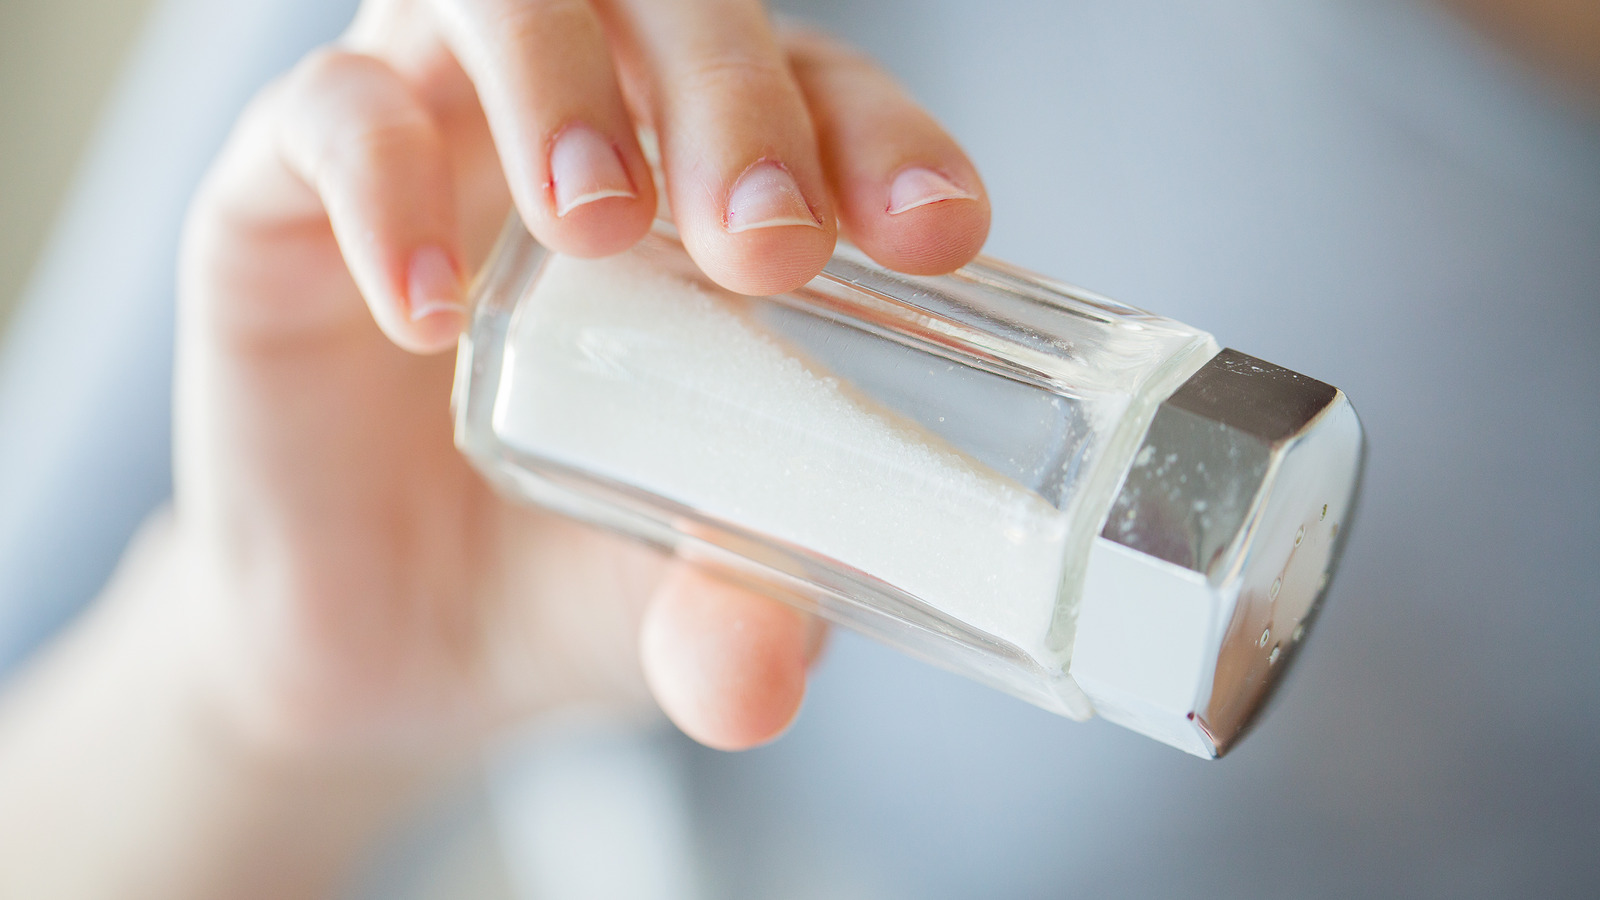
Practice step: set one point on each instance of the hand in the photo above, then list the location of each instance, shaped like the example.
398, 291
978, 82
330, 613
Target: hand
357, 585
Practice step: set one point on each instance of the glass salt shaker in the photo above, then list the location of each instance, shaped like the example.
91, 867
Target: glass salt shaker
1088, 506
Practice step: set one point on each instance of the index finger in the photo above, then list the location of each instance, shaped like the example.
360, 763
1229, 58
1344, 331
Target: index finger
545, 78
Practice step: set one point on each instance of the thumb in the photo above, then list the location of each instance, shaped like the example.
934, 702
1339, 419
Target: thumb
727, 665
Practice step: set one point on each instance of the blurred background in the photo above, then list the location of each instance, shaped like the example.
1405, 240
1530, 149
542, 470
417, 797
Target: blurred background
1395, 197
58, 62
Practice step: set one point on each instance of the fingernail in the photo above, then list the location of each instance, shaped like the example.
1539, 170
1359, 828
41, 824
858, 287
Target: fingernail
766, 196
585, 167
432, 284
919, 186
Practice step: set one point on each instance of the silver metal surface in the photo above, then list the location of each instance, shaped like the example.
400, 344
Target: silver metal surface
1246, 478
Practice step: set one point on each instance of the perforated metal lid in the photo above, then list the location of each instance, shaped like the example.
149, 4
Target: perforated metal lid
1217, 552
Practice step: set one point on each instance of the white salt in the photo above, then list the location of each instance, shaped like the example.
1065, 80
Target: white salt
619, 369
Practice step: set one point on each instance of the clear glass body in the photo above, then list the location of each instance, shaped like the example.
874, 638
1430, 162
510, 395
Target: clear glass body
923, 459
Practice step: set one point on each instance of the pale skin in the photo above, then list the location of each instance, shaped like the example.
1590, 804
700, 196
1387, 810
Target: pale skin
337, 612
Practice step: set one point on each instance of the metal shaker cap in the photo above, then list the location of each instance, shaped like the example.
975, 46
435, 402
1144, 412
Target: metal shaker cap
1217, 552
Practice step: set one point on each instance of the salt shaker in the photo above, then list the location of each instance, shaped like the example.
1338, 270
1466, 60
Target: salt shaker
1088, 506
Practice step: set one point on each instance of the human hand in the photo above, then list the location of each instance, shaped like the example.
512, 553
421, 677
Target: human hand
354, 584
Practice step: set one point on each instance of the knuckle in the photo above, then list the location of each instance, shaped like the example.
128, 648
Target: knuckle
517, 28
377, 143
819, 55
347, 112
326, 67
804, 39
734, 73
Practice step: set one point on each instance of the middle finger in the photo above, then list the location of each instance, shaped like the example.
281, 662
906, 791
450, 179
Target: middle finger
738, 148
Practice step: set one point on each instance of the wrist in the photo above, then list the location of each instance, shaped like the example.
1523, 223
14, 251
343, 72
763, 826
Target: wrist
115, 746
261, 683
201, 678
